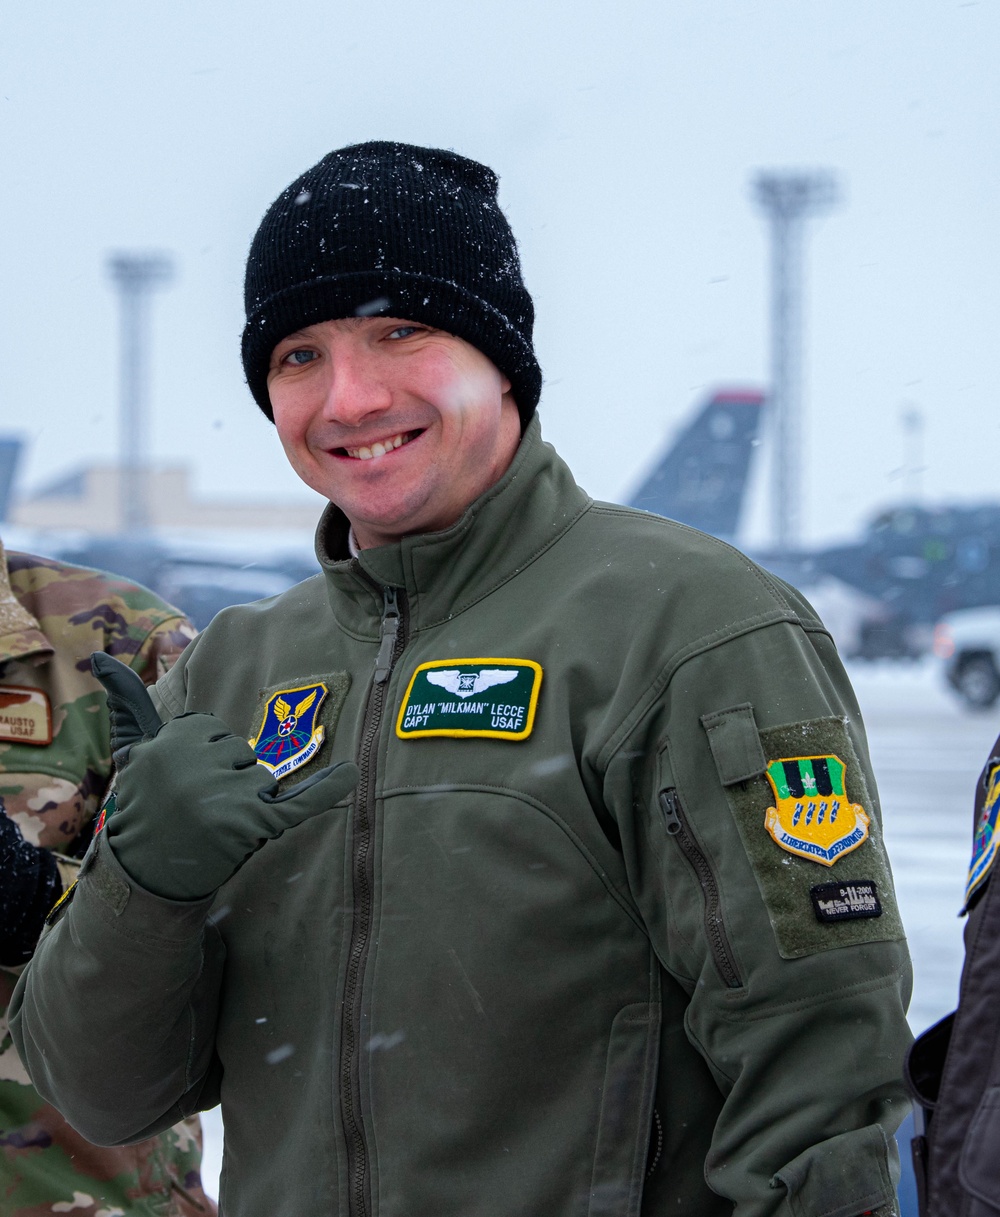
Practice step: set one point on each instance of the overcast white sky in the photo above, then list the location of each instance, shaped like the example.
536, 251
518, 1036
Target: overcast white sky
625, 137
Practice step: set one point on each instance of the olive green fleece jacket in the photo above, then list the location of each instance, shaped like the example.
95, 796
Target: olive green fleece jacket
559, 971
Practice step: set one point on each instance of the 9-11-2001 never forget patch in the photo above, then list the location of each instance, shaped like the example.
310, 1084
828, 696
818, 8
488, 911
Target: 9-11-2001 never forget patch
845, 901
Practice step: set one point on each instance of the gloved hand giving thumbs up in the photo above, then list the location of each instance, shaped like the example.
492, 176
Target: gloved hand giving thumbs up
192, 802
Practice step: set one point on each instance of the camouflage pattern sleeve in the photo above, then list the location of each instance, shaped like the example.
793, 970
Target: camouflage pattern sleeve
52, 616
162, 648
53, 793
47, 1167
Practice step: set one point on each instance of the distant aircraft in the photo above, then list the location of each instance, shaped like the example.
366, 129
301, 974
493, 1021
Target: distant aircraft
916, 563
881, 595
701, 479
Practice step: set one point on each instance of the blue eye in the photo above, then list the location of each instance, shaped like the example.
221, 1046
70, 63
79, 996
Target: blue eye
298, 358
404, 331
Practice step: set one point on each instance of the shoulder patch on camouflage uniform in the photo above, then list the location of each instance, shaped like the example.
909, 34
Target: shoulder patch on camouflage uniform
786, 877
987, 840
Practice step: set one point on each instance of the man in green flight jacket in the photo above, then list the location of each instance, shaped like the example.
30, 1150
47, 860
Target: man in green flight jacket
551, 879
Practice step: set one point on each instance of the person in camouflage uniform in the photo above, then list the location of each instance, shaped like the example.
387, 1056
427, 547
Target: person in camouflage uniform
55, 762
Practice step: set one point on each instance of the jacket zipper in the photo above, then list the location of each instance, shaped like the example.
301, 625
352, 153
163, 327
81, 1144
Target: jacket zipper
391, 643
722, 952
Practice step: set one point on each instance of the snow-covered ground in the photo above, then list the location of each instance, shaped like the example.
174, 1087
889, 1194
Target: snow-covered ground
927, 752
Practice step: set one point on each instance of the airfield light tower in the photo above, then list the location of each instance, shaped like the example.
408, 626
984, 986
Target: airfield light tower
787, 198
135, 276
912, 419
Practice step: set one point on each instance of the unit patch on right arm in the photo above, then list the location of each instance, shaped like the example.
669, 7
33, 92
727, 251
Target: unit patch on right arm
809, 814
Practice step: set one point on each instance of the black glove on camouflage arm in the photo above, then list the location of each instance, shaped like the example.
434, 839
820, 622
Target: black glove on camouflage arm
29, 887
192, 804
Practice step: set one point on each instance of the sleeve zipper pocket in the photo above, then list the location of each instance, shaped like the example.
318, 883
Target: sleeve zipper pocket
715, 930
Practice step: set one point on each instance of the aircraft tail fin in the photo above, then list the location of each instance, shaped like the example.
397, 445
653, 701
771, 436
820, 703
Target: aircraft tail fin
701, 480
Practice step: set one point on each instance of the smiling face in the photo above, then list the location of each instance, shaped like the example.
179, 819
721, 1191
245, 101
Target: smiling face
401, 425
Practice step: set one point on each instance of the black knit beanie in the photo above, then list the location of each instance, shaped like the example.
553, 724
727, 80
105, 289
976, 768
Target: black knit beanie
385, 229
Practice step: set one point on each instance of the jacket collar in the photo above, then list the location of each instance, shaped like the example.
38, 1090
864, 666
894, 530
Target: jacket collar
21, 636
444, 573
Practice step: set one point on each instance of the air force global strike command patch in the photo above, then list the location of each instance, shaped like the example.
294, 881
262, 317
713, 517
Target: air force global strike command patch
471, 698
289, 736
812, 816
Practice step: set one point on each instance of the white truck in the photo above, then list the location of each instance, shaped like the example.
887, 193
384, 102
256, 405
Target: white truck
968, 641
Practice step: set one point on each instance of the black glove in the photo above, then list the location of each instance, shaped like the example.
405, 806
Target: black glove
192, 804
29, 887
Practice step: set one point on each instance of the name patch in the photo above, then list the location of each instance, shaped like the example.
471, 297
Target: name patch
25, 716
812, 816
845, 901
463, 698
289, 736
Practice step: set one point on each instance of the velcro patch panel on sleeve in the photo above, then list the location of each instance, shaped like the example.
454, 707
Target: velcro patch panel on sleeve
471, 698
793, 838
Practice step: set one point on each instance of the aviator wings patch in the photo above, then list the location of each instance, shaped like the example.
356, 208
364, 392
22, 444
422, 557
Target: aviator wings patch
468, 684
